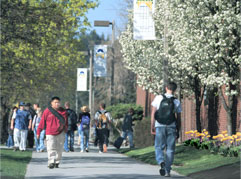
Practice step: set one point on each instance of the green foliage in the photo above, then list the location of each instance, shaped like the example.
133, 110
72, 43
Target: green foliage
39, 43
118, 111
187, 159
214, 148
14, 164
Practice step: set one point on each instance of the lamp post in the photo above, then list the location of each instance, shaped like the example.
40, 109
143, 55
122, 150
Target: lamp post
99, 23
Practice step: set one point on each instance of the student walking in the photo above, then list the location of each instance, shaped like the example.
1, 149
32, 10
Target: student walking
84, 128
55, 119
39, 143
127, 129
165, 124
21, 123
72, 126
9, 142
103, 120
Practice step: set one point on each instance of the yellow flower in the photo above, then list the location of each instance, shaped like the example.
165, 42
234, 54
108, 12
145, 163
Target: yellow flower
224, 132
206, 133
226, 135
189, 132
195, 131
215, 137
235, 136
238, 139
192, 135
203, 130
208, 136
202, 135
238, 134
229, 137
231, 142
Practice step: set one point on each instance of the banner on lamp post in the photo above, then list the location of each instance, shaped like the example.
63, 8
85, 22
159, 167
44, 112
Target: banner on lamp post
100, 56
144, 28
82, 79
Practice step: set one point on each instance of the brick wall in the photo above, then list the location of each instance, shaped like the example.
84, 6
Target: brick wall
188, 115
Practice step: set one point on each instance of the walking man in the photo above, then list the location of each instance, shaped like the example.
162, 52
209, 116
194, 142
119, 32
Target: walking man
165, 124
103, 119
21, 123
54, 119
72, 126
127, 129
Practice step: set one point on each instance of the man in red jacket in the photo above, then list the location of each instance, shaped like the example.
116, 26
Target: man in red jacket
54, 120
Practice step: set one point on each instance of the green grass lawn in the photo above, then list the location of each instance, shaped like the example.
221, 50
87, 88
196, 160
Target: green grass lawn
14, 164
187, 159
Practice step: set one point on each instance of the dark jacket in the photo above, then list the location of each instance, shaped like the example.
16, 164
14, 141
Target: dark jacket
127, 123
72, 120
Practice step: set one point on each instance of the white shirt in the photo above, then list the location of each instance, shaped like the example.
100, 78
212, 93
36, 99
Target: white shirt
157, 101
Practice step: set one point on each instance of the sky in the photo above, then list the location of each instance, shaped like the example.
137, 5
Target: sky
108, 10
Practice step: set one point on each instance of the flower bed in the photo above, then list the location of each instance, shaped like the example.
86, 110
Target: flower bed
222, 144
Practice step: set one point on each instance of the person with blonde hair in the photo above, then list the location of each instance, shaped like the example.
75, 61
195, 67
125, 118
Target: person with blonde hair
39, 144
84, 128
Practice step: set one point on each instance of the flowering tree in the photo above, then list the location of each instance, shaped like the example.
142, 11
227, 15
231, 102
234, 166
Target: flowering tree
204, 49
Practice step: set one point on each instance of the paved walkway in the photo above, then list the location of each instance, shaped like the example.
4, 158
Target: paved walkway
111, 165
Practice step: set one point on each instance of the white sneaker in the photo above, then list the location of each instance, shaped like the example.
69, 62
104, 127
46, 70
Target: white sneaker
86, 150
168, 175
82, 151
100, 152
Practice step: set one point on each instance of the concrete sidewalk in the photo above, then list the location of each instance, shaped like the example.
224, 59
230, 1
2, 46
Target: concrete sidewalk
93, 165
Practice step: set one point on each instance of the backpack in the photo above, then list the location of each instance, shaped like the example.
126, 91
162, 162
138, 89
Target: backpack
102, 122
166, 114
85, 121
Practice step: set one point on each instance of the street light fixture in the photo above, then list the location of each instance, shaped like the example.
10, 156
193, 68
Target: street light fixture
100, 23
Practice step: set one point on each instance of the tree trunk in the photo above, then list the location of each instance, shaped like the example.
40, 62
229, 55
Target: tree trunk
198, 98
213, 111
228, 106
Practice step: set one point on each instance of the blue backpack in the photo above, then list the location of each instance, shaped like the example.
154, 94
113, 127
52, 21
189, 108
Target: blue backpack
85, 121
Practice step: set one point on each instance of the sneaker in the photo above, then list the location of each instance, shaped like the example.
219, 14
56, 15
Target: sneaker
82, 151
51, 166
100, 152
168, 174
104, 148
56, 165
15, 149
162, 170
86, 150
42, 150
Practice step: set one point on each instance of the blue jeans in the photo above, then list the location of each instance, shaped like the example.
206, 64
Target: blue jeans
165, 139
66, 142
9, 142
84, 134
130, 136
39, 143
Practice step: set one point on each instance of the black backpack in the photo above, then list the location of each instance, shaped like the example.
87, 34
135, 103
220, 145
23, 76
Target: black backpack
166, 114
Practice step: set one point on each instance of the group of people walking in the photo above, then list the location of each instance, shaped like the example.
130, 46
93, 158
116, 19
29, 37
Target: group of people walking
59, 124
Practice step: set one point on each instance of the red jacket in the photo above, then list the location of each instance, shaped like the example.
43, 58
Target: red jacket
52, 122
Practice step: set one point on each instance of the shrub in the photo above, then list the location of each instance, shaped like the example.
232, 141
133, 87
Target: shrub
118, 113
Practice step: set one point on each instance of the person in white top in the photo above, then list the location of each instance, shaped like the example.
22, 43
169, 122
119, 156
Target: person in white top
165, 125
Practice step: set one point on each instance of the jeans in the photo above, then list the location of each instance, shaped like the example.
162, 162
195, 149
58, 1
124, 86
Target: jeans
84, 134
165, 139
39, 143
10, 141
130, 136
66, 142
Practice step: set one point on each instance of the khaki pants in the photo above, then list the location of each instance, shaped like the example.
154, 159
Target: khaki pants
55, 145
